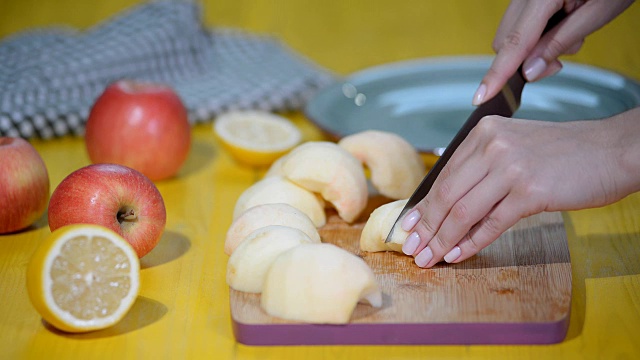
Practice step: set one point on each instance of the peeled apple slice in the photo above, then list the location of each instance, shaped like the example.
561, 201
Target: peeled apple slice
377, 228
318, 283
248, 265
276, 189
325, 168
265, 215
276, 168
395, 165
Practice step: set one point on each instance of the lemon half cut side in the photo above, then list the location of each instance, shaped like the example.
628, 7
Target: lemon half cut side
83, 278
255, 137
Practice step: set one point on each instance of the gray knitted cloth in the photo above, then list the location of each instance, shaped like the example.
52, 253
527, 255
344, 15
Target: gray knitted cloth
50, 78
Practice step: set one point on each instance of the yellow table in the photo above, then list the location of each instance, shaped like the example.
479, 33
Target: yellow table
183, 309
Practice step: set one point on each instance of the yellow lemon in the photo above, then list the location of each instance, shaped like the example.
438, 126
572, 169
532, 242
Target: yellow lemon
83, 277
256, 138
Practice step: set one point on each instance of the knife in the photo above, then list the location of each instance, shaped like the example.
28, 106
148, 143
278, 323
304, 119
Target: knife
505, 103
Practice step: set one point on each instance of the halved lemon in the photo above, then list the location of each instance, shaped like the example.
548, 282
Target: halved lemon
256, 138
83, 278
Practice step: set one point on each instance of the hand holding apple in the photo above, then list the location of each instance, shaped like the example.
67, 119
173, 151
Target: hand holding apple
115, 196
24, 184
140, 125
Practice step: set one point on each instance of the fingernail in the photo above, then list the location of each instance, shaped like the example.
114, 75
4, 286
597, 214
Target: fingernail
533, 68
410, 220
411, 244
423, 258
479, 95
453, 254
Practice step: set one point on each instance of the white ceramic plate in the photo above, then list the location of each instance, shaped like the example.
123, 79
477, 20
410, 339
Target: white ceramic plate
426, 101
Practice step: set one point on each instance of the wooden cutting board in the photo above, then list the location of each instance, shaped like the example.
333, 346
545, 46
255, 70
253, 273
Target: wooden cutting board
515, 291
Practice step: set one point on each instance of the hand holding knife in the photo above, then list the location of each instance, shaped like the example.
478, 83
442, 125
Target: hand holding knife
505, 103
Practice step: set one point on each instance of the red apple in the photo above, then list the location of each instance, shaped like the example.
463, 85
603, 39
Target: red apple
115, 196
24, 184
140, 125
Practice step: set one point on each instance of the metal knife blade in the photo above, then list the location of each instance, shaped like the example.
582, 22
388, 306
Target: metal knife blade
505, 103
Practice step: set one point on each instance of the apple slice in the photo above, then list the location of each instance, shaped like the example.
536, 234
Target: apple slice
276, 168
395, 165
318, 283
264, 215
325, 168
248, 265
377, 228
276, 189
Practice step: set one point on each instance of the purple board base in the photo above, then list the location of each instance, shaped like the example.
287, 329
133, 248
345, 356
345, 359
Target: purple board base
402, 334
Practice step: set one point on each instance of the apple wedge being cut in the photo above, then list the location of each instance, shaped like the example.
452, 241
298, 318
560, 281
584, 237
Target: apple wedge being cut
248, 265
377, 228
265, 215
318, 283
276, 189
395, 165
325, 168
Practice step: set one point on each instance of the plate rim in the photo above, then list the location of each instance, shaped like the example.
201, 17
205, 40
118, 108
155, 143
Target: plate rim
386, 70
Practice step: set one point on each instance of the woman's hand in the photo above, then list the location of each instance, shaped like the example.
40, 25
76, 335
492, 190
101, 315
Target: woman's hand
508, 169
519, 38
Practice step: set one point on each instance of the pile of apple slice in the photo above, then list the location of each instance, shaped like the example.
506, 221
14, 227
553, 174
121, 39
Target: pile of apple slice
274, 245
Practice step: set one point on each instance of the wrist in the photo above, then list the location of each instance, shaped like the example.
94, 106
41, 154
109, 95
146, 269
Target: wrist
626, 128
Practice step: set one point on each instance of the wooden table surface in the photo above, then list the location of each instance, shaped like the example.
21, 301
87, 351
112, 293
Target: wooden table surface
183, 307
